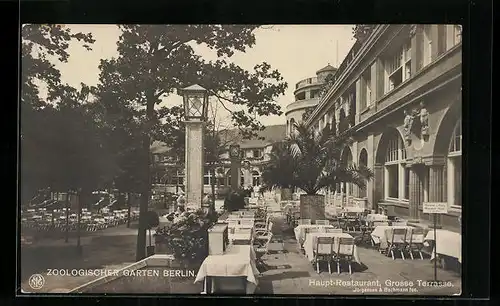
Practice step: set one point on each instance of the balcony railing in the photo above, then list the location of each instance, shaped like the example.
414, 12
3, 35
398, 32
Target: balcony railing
308, 81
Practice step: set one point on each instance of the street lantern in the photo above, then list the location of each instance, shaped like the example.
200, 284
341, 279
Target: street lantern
195, 100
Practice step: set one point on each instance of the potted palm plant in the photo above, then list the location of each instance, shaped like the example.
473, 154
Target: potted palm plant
311, 162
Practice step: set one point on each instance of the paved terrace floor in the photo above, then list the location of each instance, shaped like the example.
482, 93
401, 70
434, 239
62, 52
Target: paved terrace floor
288, 271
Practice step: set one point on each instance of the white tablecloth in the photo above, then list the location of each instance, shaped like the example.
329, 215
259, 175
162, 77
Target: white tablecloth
310, 243
300, 230
376, 217
383, 233
448, 243
353, 209
239, 260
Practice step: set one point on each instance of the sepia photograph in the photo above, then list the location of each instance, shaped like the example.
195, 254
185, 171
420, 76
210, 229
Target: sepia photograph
211, 159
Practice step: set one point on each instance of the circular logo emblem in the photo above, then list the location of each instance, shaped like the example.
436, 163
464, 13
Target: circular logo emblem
36, 281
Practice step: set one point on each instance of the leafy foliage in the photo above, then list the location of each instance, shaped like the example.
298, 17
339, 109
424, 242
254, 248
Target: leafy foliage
187, 238
312, 162
235, 201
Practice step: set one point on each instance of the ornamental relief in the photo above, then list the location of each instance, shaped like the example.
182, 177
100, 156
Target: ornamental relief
416, 123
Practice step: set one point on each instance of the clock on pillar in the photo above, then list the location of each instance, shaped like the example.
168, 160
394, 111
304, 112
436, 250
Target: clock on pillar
234, 153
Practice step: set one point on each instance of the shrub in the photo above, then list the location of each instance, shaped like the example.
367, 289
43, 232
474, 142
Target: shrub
187, 238
234, 201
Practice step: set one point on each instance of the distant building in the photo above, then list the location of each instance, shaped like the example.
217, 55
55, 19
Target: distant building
307, 93
168, 174
398, 94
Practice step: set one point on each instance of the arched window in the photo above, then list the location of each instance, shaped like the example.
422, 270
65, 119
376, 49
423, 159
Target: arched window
346, 159
255, 178
363, 161
396, 175
454, 167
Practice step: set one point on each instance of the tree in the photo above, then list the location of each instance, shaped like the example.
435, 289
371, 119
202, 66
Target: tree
314, 162
41, 46
308, 112
352, 113
333, 126
154, 60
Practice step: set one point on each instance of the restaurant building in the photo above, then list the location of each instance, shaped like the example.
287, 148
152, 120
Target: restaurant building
398, 95
168, 174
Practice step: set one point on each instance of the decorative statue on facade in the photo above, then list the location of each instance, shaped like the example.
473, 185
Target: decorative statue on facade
424, 120
408, 122
413, 30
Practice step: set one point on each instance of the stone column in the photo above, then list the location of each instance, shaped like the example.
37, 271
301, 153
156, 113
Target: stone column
416, 48
235, 170
416, 193
436, 186
377, 192
194, 164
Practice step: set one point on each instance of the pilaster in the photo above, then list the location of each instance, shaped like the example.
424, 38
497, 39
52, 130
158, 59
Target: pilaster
194, 164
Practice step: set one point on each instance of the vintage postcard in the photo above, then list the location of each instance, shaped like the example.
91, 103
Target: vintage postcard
241, 159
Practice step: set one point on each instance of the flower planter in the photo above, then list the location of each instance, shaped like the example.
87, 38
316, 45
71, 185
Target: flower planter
312, 207
286, 194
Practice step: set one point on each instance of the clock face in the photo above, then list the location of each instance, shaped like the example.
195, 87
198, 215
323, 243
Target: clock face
234, 151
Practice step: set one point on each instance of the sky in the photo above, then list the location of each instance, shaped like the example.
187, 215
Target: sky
297, 51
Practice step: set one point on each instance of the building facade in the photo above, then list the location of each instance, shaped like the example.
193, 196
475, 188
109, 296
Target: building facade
168, 174
398, 95
307, 93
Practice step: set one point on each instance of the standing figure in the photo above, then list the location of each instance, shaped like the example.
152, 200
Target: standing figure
407, 125
424, 119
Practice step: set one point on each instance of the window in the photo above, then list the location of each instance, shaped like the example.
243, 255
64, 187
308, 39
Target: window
407, 184
314, 93
398, 67
220, 181
255, 178
300, 96
453, 34
207, 178
368, 87
396, 176
363, 161
257, 153
292, 126
454, 167
427, 44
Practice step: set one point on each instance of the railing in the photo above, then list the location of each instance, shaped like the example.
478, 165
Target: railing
308, 81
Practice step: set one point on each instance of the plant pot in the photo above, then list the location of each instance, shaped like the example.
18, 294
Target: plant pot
312, 207
286, 194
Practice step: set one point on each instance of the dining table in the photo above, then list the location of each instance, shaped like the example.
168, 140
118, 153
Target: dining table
237, 261
300, 230
311, 239
447, 243
382, 234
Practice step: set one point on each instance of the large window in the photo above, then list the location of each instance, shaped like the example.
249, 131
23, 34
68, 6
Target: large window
397, 67
257, 153
454, 167
396, 177
427, 56
363, 161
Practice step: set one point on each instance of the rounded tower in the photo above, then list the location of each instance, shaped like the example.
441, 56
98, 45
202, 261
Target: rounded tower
307, 94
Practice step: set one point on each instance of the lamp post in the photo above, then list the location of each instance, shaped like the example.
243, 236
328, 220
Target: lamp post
195, 100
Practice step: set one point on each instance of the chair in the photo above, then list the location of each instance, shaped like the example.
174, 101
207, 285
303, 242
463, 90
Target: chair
304, 221
261, 248
397, 242
322, 222
264, 234
333, 230
345, 252
416, 242
324, 251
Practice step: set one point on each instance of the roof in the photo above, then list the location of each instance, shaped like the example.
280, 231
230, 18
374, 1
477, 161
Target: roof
194, 87
327, 68
271, 134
